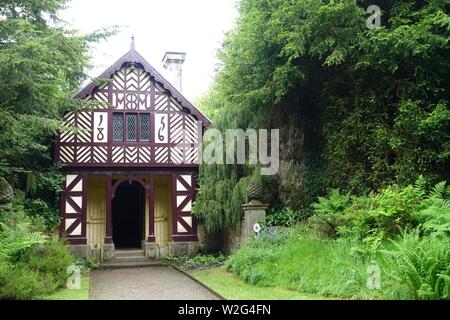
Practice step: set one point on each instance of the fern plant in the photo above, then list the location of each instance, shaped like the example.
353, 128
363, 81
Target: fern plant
423, 264
434, 214
335, 203
13, 241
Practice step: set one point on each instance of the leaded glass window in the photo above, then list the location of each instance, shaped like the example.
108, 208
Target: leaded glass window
144, 126
118, 127
131, 127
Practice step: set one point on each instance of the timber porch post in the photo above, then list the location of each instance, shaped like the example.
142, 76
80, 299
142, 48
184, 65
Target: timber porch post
151, 208
108, 217
108, 250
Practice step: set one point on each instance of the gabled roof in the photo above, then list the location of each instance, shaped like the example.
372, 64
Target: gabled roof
134, 56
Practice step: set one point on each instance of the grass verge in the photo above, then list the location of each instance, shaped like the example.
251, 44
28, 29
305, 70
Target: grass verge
72, 294
233, 288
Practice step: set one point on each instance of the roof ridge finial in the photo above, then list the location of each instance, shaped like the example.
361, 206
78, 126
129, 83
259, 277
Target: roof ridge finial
133, 46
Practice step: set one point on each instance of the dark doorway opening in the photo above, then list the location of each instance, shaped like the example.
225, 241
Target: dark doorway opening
128, 207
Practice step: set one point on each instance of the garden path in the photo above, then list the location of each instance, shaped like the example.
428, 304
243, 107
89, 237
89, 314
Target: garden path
146, 283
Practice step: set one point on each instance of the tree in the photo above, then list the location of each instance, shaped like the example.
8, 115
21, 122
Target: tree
358, 108
42, 64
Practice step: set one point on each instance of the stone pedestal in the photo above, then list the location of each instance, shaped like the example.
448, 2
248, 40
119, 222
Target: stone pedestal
179, 249
96, 253
151, 250
108, 252
254, 212
80, 251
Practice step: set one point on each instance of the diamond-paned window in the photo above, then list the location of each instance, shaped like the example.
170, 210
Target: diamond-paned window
118, 127
144, 119
131, 126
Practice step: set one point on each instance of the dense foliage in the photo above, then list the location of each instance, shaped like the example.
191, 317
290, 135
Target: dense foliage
386, 214
358, 108
31, 263
201, 261
42, 64
402, 231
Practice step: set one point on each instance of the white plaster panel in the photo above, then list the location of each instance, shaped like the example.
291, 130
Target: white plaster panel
100, 127
68, 223
180, 186
161, 128
180, 227
69, 179
188, 179
180, 199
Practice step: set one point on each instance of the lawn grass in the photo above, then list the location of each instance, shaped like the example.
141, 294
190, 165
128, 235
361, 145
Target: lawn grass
304, 263
232, 288
72, 294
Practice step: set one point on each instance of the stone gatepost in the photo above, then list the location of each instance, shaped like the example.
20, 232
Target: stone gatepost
254, 212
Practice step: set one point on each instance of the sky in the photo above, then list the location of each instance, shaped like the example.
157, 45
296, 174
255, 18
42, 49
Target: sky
196, 27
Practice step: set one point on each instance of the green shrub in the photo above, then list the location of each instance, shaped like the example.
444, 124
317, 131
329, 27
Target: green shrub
434, 215
284, 217
385, 214
421, 264
18, 215
393, 209
302, 262
244, 262
39, 208
15, 240
198, 261
87, 263
50, 260
17, 281
262, 249
405, 231
329, 213
334, 204
412, 266
38, 270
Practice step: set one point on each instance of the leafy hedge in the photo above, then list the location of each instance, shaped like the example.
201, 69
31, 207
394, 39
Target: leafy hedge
385, 214
40, 270
357, 109
31, 263
402, 231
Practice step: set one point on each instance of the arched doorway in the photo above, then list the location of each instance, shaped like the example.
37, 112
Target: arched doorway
128, 215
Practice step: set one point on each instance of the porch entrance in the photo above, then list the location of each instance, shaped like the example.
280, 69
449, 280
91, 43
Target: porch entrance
128, 215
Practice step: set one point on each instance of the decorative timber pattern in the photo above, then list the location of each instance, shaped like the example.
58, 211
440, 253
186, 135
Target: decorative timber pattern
184, 195
74, 208
140, 125
169, 134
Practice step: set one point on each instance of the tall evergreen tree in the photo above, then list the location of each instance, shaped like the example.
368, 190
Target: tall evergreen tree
358, 108
42, 64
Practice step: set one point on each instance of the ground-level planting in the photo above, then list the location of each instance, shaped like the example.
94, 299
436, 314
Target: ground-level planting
394, 244
231, 287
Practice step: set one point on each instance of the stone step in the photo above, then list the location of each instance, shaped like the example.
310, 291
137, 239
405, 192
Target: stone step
131, 259
129, 253
129, 264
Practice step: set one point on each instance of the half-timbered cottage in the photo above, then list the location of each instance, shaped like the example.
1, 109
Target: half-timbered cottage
131, 163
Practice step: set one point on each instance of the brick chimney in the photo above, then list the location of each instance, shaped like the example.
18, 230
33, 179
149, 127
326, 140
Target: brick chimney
173, 63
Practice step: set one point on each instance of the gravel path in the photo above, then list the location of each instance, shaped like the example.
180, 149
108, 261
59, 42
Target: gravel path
149, 283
